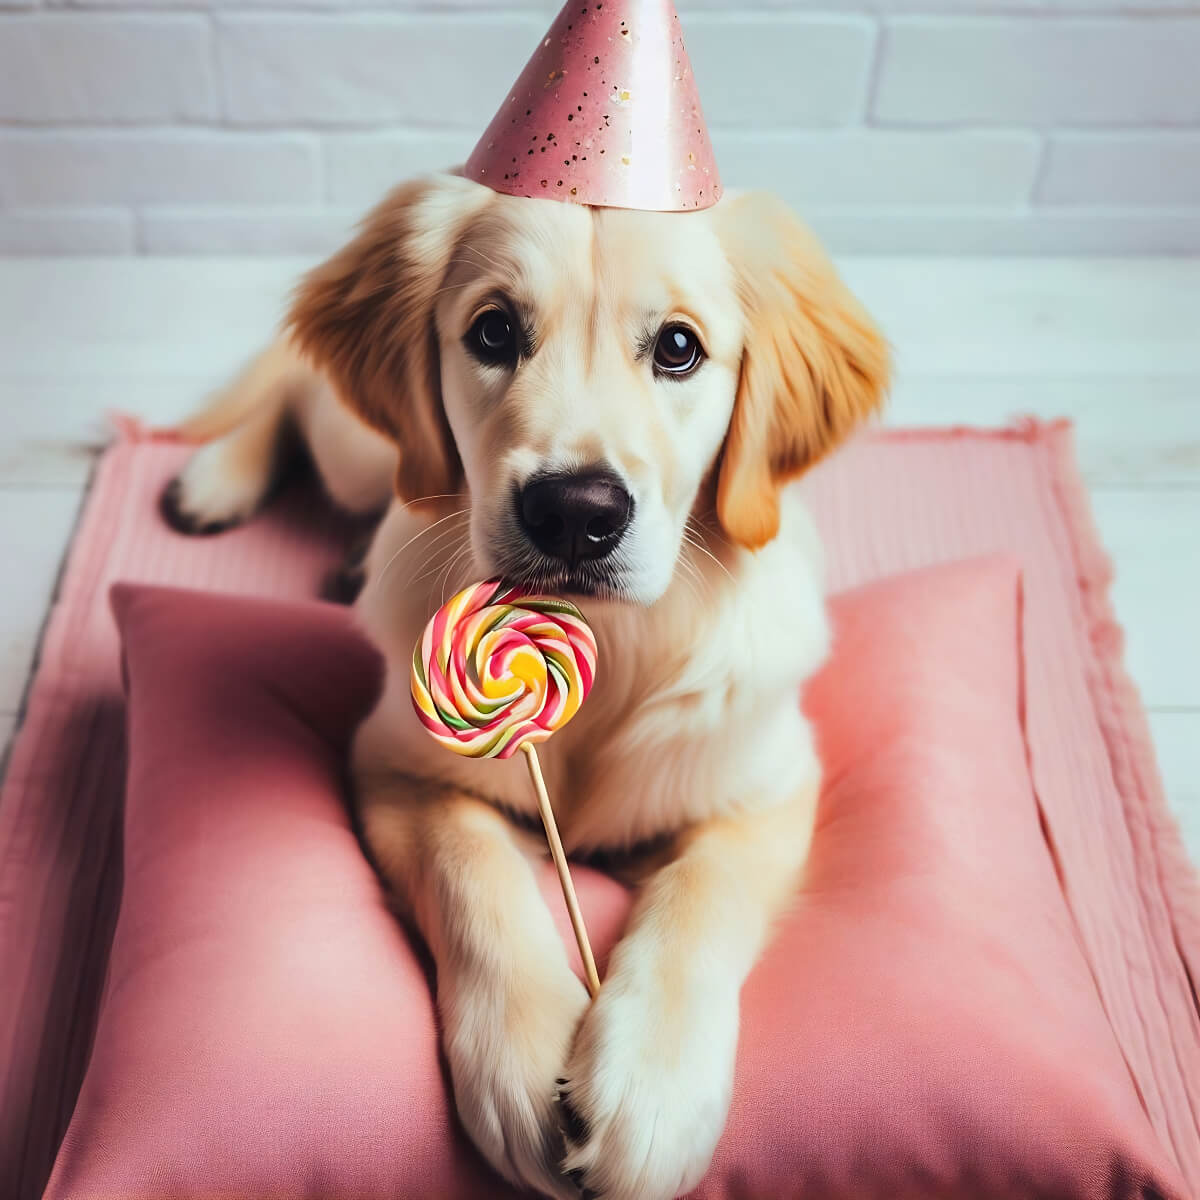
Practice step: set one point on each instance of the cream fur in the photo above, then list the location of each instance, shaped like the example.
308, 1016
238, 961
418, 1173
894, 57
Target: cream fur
693, 732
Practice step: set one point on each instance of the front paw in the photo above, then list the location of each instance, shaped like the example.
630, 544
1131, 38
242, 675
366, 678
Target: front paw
646, 1091
506, 1044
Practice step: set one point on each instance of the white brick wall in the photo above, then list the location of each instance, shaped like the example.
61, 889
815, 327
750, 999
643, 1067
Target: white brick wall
57, 68
266, 126
1039, 71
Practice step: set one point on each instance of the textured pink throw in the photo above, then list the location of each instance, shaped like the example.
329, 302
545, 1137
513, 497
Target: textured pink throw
889, 503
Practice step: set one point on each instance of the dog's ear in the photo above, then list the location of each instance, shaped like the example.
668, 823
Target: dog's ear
813, 364
365, 318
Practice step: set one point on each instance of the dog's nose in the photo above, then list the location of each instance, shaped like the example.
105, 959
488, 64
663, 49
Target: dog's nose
575, 517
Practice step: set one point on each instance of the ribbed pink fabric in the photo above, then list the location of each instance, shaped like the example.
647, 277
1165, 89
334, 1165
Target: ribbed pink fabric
915, 497
890, 502
60, 809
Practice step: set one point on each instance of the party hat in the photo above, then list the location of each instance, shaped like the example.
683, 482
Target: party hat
605, 113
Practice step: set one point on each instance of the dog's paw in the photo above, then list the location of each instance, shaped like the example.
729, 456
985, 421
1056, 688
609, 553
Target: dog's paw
646, 1091
214, 491
506, 1045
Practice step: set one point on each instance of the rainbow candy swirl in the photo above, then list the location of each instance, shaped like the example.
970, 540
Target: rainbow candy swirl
496, 668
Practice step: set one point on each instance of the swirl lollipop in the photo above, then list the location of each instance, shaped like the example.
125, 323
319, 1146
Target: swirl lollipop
498, 670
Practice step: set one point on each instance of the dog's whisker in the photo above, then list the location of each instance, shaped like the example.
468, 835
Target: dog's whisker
445, 533
428, 566
706, 529
687, 547
455, 533
691, 579
690, 570
706, 551
453, 564
378, 581
688, 586
443, 570
435, 496
686, 564
436, 567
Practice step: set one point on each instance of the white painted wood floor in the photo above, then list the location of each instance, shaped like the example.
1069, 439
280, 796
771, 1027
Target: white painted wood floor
1115, 344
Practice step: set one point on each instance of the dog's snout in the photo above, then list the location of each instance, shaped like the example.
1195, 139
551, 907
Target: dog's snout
577, 516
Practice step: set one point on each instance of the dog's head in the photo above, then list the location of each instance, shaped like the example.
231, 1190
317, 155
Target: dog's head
592, 378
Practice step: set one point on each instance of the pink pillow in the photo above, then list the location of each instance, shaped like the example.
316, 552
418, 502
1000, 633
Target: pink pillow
924, 1024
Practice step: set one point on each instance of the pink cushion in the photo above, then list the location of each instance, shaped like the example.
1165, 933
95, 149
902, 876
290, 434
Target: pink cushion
923, 1025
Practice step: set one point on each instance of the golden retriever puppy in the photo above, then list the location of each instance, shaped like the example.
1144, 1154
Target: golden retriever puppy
606, 404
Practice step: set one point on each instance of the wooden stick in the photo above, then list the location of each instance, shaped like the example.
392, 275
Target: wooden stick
564, 872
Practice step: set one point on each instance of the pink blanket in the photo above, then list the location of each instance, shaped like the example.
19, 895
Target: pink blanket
890, 502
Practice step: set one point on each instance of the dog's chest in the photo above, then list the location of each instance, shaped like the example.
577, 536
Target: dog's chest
665, 743
694, 713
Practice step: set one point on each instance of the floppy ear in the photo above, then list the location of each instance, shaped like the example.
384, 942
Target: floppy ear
813, 364
365, 318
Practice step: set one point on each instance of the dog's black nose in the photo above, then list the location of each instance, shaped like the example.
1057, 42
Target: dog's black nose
575, 517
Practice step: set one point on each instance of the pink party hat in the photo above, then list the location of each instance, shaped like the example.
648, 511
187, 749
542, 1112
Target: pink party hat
605, 113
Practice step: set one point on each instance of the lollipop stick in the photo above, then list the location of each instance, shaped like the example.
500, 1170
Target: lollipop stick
564, 873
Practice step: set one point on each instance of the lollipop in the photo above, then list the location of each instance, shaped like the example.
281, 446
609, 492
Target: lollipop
498, 670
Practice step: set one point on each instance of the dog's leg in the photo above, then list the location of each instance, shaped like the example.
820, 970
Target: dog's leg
225, 482
509, 1003
648, 1082
278, 403
245, 430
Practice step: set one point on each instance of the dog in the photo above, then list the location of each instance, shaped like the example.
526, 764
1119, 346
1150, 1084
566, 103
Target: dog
608, 405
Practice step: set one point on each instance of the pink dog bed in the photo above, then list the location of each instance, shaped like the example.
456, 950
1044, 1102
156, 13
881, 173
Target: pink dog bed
923, 1024
891, 502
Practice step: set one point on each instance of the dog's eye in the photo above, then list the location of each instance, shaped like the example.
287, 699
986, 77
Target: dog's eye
677, 351
492, 338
